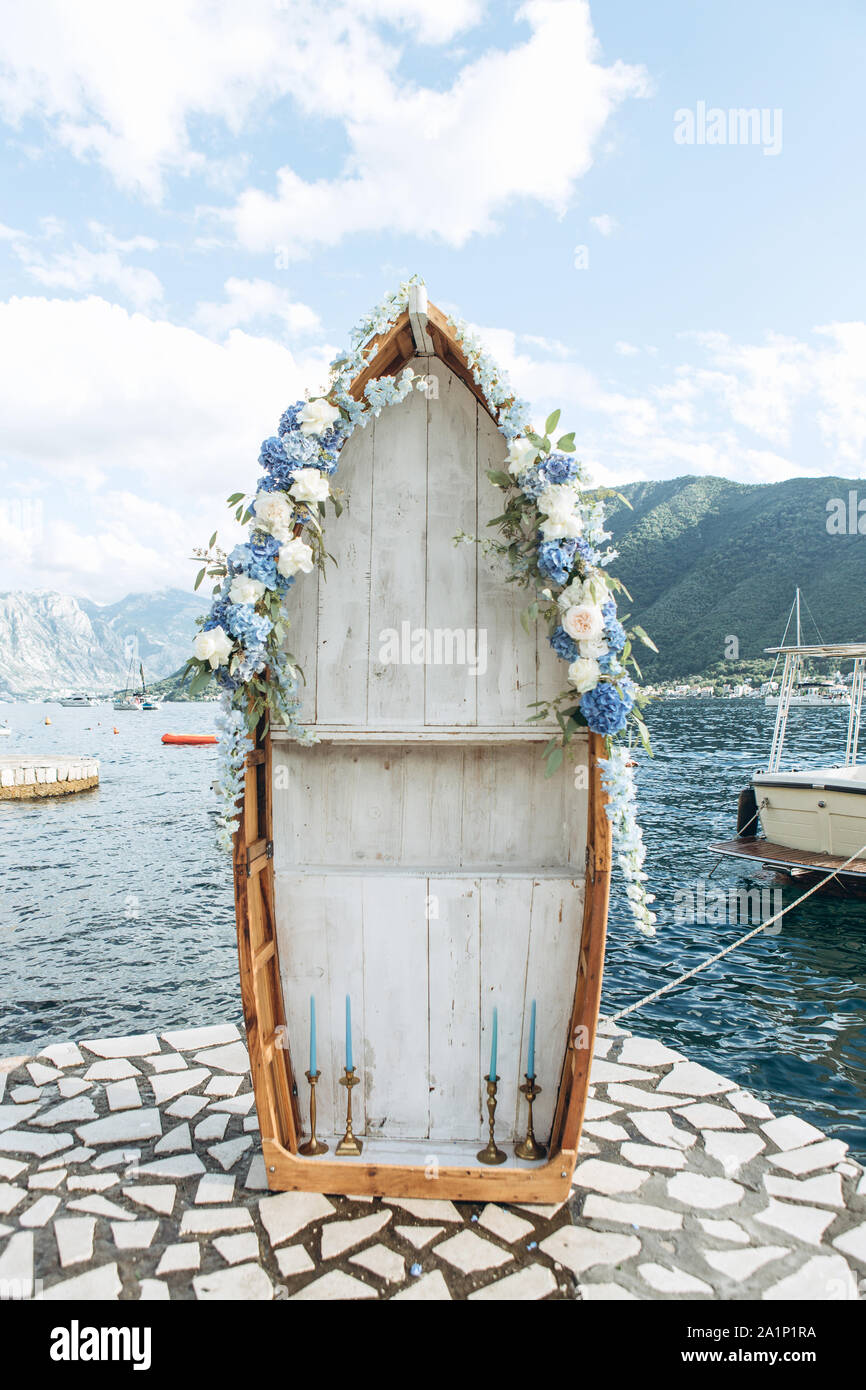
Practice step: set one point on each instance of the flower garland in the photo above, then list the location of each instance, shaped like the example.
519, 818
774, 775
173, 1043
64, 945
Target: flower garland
552, 535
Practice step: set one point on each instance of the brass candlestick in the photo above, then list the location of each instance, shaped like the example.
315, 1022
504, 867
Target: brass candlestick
490, 1153
349, 1144
313, 1145
529, 1147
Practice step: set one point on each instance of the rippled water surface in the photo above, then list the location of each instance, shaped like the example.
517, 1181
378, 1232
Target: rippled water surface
116, 910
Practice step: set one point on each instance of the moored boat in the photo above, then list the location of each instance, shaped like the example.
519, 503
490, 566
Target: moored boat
415, 862
189, 738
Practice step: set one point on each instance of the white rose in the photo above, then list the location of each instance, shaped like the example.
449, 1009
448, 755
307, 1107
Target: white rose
295, 556
273, 512
560, 504
584, 674
583, 622
596, 647
245, 590
521, 455
214, 646
317, 417
595, 590
309, 485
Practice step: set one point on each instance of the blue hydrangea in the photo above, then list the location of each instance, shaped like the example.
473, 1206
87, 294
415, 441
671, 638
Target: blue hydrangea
279, 468
532, 483
605, 709
218, 615
228, 682
258, 559
556, 559
248, 626
560, 468
608, 610
615, 634
563, 645
609, 664
289, 418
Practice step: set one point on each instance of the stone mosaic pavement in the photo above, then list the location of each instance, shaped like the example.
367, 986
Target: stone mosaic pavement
130, 1169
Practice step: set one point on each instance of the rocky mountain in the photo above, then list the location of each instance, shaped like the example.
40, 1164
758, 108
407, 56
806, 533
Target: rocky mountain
51, 643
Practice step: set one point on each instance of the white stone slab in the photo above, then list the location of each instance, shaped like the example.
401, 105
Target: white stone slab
69, 1086
157, 1197
24, 1095
608, 1178
138, 1045
733, 1151
382, 1262
658, 1127
853, 1243
748, 1104
41, 1074
123, 1095
236, 1105
526, 1286
470, 1253
824, 1190
705, 1115
236, 1249
339, 1236
646, 1052
790, 1132
233, 1058
672, 1281
703, 1194
227, 1154
12, 1115
740, 1265
224, 1085
96, 1285
113, 1069
256, 1179
206, 1220
334, 1287
74, 1236
186, 1107
100, 1206
429, 1289
69, 1112
691, 1079
133, 1235
824, 1278
806, 1160
605, 1293
805, 1223
10, 1197
603, 1129
211, 1127
637, 1214
599, 1109
63, 1054
603, 1072
215, 1188
16, 1264
24, 1141
293, 1260
167, 1085
167, 1061
632, 1096
10, 1168
153, 1291
46, 1181
503, 1223
178, 1166
580, 1249
176, 1140
93, 1182
289, 1212
133, 1126
113, 1158
724, 1230
652, 1156
180, 1257
426, 1208
40, 1213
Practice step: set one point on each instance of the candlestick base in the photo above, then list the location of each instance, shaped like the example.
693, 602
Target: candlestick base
313, 1146
349, 1146
490, 1153
529, 1148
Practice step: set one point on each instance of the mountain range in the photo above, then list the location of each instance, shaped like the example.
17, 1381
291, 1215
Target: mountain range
51, 642
707, 561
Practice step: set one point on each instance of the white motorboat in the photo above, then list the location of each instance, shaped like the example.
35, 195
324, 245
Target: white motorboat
76, 702
813, 819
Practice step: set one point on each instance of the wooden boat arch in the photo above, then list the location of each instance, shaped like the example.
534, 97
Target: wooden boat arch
415, 857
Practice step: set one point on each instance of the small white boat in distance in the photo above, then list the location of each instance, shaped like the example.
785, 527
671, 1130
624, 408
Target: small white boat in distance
76, 702
815, 819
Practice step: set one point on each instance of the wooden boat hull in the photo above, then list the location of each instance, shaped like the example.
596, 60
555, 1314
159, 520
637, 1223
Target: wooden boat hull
379, 1171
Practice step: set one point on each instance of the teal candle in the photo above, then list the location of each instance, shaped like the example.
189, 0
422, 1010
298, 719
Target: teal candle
492, 1075
530, 1064
349, 1066
312, 1036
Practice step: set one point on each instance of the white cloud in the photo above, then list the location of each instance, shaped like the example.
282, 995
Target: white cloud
446, 163
124, 84
605, 225
80, 268
626, 349
255, 301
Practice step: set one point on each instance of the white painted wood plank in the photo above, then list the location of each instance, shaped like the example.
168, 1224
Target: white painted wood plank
398, 567
455, 988
451, 694
302, 940
396, 1058
507, 689
506, 906
344, 595
301, 614
555, 929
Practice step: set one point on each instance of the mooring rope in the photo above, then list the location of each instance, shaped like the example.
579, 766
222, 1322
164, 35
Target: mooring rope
696, 970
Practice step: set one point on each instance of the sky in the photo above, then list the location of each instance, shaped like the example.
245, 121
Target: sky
200, 198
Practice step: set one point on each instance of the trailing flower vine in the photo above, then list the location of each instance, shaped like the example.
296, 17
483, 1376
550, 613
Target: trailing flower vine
551, 532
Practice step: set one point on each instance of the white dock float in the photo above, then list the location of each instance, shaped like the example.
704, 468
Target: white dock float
24, 776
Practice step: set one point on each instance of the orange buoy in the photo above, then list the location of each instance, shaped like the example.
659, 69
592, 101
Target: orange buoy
189, 738
115, 730
47, 720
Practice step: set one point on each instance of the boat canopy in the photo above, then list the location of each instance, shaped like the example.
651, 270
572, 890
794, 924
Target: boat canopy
833, 651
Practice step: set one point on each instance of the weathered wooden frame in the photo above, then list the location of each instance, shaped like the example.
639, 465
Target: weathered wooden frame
267, 1034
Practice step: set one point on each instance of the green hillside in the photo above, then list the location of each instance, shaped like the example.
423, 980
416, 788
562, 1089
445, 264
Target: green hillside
706, 558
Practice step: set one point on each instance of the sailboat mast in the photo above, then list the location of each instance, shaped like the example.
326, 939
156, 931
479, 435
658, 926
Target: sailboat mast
799, 638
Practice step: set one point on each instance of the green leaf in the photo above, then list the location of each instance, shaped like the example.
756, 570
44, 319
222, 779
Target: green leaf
552, 421
566, 443
234, 499
212, 542
534, 439
199, 577
647, 641
554, 762
500, 478
338, 507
